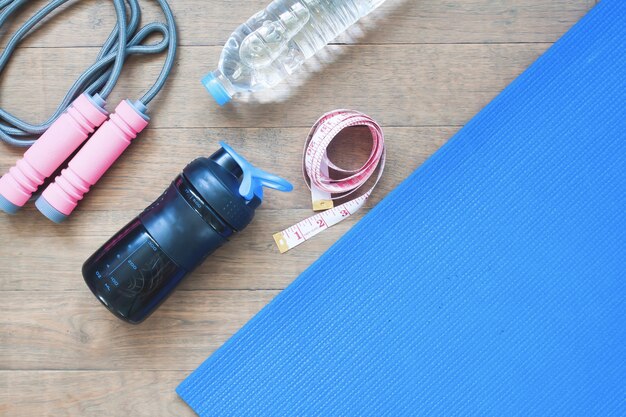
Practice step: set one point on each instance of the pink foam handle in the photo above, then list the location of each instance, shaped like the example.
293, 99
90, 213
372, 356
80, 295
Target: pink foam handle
65, 135
95, 158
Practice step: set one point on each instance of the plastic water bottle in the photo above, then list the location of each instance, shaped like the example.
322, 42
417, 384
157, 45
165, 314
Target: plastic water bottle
273, 43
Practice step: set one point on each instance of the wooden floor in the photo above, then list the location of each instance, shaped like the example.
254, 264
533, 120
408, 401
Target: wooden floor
422, 68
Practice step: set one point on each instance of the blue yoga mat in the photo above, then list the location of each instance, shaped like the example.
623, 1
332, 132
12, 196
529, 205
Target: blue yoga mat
491, 282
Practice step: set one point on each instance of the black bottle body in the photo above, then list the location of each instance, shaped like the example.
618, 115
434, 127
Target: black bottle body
131, 275
139, 267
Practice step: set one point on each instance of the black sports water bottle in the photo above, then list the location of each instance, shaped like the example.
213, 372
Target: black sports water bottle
213, 198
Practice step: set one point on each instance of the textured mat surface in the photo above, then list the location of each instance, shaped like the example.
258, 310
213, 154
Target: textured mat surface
491, 282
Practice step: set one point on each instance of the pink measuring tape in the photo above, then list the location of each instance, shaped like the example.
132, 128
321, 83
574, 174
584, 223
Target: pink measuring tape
316, 166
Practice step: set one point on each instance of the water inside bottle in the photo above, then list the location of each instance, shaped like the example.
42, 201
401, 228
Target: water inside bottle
276, 41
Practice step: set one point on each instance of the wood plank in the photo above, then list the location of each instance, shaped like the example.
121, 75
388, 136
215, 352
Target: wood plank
70, 330
434, 85
396, 21
143, 174
91, 394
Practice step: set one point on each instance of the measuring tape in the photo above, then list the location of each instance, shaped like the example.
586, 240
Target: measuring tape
316, 168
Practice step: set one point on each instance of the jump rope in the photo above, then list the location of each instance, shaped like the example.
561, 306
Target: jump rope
81, 113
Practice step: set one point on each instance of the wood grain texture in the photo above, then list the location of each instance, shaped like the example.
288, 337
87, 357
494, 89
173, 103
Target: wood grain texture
396, 21
69, 330
421, 68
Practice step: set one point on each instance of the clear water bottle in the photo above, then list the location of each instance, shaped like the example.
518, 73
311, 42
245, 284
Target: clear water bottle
273, 43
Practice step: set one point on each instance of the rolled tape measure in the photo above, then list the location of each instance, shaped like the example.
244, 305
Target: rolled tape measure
316, 167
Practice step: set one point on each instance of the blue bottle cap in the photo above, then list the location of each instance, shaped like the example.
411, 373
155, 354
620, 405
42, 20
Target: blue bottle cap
217, 90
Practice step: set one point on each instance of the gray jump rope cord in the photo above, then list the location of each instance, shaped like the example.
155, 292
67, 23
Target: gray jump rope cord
102, 76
